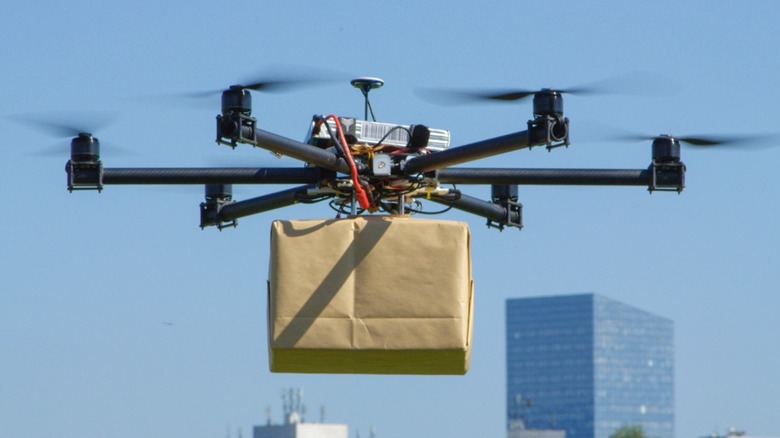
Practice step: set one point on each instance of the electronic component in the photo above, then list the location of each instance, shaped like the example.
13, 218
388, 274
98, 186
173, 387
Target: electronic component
365, 131
381, 165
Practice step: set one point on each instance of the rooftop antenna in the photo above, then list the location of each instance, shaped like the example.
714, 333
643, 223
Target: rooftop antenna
296, 397
286, 408
294, 410
366, 84
322, 414
268, 415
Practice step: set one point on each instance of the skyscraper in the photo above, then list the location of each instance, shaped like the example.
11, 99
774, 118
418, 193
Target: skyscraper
588, 365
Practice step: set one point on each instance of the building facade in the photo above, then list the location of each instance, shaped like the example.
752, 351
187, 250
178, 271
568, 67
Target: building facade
301, 430
588, 365
294, 423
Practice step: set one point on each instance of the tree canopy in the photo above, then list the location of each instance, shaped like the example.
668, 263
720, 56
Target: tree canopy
634, 431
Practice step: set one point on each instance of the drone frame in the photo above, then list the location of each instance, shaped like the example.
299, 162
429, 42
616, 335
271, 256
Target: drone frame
235, 126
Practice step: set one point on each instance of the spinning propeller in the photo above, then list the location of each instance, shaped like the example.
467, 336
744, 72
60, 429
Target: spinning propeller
666, 147
274, 80
698, 140
454, 96
549, 101
269, 84
79, 126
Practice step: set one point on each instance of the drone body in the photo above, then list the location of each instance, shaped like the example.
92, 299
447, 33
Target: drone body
363, 166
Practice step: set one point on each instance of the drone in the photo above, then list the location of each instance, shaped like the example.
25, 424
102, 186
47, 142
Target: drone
361, 166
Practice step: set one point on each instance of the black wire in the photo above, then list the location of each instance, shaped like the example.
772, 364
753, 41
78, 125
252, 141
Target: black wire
409, 134
431, 213
339, 209
333, 137
305, 199
367, 189
406, 191
384, 206
342, 207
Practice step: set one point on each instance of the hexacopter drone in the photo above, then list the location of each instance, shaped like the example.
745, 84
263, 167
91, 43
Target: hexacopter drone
364, 166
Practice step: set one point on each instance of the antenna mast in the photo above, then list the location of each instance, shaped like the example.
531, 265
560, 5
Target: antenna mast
293, 409
366, 84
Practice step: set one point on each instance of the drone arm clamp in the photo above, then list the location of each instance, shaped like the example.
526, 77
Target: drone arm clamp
666, 177
225, 214
77, 169
498, 215
554, 131
234, 128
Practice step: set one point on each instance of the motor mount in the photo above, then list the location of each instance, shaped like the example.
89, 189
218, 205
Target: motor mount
505, 195
549, 126
548, 102
84, 156
666, 149
236, 114
217, 196
668, 172
236, 99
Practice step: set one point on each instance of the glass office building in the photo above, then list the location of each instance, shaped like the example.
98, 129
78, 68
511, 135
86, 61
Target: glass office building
588, 365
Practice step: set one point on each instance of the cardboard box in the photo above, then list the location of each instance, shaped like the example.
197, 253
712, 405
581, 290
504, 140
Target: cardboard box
370, 295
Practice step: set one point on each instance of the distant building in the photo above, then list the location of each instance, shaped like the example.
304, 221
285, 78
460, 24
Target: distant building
302, 430
295, 425
735, 433
517, 429
588, 365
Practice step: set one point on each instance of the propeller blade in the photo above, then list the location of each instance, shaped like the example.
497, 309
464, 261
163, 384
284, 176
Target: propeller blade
279, 79
699, 141
583, 90
62, 130
264, 86
708, 141
505, 95
281, 84
66, 124
195, 94
456, 96
62, 149
733, 141
636, 83
459, 96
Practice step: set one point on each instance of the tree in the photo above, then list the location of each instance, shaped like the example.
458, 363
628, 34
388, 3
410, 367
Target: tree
635, 431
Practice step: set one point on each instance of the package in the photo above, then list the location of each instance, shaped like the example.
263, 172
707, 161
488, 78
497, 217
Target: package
370, 295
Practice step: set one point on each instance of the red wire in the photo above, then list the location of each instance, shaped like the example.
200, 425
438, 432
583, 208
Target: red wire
360, 194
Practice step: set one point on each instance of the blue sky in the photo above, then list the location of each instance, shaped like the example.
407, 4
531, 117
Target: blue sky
92, 281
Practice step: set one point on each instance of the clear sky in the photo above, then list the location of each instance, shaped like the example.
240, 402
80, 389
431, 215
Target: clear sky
120, 317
